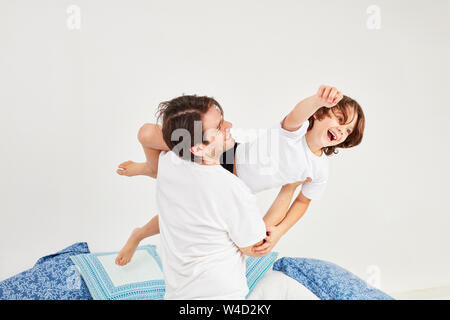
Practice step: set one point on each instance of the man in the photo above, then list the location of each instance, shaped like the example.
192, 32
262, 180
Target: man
208, 218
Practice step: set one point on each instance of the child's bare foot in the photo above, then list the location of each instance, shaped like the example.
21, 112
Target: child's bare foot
129, 249
130, 168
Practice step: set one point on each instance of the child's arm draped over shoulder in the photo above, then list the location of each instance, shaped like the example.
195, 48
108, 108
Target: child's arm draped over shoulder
326, 96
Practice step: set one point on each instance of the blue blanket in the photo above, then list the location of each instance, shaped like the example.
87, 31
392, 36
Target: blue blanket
53, 277
327, 280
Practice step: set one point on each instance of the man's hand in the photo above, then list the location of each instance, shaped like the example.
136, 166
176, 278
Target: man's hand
273, 236
328, 96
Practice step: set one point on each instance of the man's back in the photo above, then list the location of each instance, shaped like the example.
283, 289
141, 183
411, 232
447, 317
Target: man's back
205, 214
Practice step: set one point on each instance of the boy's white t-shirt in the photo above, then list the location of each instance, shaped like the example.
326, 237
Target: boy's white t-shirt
205, 214
278, 157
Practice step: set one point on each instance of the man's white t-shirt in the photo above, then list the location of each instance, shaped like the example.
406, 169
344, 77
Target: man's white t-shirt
205, 214
278, 157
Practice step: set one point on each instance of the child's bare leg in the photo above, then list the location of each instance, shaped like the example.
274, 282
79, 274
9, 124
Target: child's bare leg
138, 234
150, 137
130, 168
127, 252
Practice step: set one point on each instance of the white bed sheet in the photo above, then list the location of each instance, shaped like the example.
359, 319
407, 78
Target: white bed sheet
275, 285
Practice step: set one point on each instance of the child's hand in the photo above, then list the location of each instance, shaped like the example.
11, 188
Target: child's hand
294, 185
328, 96
273, 235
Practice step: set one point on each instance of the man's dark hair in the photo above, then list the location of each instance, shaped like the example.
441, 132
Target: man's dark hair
182, 113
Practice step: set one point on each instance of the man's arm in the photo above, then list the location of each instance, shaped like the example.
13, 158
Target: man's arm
326, 96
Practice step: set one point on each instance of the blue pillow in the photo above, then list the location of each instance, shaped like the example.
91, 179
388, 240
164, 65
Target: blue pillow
142, 278
327, 280
256, 267
53, 277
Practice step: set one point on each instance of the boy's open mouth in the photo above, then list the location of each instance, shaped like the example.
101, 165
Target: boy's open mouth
331, 136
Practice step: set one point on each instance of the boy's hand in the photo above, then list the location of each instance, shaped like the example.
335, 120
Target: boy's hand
328, 96
273, 236
296, 184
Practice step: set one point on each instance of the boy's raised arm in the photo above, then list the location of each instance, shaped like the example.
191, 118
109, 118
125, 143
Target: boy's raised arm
326, 96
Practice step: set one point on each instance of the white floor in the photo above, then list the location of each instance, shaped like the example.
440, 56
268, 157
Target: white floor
439, 293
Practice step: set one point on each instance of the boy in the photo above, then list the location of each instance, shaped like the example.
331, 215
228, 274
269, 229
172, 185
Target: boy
311, 132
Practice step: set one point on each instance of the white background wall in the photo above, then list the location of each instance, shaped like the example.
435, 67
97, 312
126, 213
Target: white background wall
72, 102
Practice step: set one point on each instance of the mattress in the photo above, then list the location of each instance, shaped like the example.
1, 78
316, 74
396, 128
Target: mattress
275, 285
